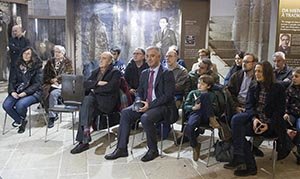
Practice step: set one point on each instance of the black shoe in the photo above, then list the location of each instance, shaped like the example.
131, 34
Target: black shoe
22, 127
245, 172
150, 155
117, 153
298, 160
80, 148
257, 152
235, 163
297, 155
16, 124
51, 122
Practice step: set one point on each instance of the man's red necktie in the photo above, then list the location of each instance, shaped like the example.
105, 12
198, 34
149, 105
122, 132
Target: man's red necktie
150, 86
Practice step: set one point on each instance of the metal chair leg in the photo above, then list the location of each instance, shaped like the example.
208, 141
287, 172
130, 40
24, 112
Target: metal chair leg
59, 121
133, 136
174, 135
73, 126
181, 141
210, 145
108, 129
46, 121
161, 139
29, 119
274, 158
3, 131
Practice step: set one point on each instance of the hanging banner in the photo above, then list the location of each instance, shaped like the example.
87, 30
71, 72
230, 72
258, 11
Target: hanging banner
288, 29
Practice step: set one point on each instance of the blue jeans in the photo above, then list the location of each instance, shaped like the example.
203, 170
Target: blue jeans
53, 100
198, 118
17, 108
296, 123
242, 126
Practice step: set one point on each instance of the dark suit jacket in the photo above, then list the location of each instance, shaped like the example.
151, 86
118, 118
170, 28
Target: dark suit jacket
167, 40
108, 95
164, 92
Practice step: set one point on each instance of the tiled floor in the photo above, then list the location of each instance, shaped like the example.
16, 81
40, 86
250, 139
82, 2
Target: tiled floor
24, 157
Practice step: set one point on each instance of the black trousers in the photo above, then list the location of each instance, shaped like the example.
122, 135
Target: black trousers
86, 116
148, 120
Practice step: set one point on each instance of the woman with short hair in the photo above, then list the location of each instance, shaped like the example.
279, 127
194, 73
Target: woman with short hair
53, 70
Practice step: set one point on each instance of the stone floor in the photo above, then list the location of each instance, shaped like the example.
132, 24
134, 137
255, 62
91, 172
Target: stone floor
24, 157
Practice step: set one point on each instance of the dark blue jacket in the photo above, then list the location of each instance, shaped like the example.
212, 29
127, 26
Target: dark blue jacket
164, 88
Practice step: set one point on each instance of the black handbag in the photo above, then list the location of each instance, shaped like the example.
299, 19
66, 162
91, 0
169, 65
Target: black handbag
223, 151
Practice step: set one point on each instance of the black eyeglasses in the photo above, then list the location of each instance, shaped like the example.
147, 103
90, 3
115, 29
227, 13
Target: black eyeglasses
136, 53
167, 56
246, 62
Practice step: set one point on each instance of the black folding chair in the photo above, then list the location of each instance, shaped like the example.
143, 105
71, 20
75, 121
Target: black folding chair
72, 93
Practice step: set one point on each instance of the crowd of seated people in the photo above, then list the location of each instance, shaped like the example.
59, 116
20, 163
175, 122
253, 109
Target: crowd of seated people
257, 89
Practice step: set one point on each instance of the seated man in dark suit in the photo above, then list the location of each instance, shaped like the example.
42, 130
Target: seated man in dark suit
156, 89
103, 95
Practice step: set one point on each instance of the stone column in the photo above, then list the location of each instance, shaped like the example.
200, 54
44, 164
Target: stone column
265, 19
254, 26
251, 26
240, 26
70, 37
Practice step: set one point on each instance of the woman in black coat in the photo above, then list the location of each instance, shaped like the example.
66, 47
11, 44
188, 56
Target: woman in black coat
236, 67
265, 107
24, 88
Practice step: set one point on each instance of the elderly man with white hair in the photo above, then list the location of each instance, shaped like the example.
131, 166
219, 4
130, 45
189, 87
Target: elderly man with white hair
282, 72
53, 70
103, 96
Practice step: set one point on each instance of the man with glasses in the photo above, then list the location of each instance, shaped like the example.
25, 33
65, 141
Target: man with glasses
180, 74
134, 68
238, 86
205, 67
239, 82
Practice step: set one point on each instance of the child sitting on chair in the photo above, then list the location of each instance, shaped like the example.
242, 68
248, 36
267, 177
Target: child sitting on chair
200, 105
292, 115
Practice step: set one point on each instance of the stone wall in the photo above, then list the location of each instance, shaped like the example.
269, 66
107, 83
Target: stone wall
251, 26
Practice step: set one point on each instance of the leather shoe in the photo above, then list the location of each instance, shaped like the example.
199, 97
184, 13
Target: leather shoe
51, 121
245, 172
117, 153
80, 148
150, 155
257, 152
235, 163
196, 152
22, 127
16, 124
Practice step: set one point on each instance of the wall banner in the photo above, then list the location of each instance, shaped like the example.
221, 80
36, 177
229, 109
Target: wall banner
288, 29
